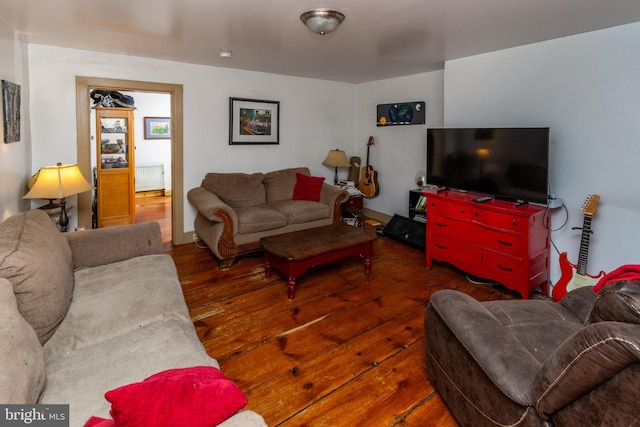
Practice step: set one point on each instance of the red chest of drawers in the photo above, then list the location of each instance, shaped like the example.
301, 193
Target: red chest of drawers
496, 240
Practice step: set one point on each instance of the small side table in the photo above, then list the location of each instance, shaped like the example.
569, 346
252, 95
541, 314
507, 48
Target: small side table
355, 204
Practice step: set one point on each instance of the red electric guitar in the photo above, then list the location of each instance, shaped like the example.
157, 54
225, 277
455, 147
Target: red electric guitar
572, 276
368, 185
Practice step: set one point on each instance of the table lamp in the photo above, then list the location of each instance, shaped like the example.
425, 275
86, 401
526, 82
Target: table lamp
336, 158
59, 182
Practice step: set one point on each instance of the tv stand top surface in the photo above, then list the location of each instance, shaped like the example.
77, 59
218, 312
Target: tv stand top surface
494, 203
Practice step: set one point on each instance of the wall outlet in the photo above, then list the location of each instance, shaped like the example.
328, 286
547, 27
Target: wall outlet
195, 237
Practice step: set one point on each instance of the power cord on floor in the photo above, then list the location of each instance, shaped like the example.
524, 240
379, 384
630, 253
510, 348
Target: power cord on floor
477, 281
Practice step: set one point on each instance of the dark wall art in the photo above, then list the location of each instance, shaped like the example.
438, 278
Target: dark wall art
401, 113
11, 111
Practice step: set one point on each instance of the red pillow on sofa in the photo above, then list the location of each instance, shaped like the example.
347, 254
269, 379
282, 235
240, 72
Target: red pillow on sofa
307, 187
198, 396
99, 422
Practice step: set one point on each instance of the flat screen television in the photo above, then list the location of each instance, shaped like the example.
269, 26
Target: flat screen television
508, 163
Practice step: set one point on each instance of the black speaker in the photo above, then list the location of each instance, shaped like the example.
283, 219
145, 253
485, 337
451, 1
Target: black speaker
408, 231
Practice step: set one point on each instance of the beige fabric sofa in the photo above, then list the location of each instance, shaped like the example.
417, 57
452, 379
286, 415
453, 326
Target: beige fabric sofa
235, 210
83, 313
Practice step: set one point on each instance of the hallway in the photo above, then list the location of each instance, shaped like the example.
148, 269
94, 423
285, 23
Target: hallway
155, 209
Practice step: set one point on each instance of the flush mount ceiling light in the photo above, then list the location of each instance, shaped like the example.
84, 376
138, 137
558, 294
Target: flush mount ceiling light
322, 21
225, 54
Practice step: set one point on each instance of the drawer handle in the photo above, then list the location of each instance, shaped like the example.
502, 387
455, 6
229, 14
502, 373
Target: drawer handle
504, 268
439, 246
440, 224
502, 242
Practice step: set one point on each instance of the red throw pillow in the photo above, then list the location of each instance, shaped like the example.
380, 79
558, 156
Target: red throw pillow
198, 396
307, 187
99, 422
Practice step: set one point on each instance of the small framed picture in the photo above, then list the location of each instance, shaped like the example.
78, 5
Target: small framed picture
157, 128
254, 121
11, 111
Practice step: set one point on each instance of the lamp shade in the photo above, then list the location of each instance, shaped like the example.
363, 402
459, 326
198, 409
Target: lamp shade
336, 158
322, 21
58, 182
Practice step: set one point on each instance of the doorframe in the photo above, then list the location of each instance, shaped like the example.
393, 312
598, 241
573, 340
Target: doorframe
84, 85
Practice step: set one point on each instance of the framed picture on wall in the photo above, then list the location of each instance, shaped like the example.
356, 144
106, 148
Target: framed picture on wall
157, 128
254, 121
11, 111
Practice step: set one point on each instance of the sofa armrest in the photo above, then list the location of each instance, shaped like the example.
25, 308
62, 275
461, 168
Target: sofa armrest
210, 206
106, 245
505, 361
333, 197
589, 358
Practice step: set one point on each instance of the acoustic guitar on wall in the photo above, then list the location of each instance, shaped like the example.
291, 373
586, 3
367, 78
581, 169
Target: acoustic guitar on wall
572, 276
368, 185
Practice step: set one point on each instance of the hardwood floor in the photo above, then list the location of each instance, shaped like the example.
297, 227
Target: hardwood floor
347, 351
156, 208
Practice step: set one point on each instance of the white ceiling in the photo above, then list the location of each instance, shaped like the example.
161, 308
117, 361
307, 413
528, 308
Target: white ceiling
379, 38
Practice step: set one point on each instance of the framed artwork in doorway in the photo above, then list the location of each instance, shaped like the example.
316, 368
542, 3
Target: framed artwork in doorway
254, 121
157, 128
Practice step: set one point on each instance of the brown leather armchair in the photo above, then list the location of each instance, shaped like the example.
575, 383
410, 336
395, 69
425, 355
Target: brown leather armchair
537, 362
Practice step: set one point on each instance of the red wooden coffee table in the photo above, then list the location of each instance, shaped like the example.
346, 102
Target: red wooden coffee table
294, 253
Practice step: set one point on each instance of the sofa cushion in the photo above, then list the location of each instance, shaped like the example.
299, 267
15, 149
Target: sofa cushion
81, 377
112, 299
579, 301
540, 325
22, 373
307, 187
279, 184
36, 258
238, 190
301, 211
258, 218
196, 396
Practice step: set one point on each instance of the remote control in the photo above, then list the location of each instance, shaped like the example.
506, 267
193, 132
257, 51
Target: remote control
482, 199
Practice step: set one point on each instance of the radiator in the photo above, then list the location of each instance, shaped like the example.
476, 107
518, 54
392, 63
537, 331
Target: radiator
149, 178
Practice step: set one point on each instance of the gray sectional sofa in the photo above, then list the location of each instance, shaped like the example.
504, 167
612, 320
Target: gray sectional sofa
85, 312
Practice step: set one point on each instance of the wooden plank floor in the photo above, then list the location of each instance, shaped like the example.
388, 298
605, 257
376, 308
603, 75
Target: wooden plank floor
347, 351
155, 209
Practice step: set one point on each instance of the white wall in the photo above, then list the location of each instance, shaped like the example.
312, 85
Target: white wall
15, 158
399, 151
315, 115
152, 151
586, 88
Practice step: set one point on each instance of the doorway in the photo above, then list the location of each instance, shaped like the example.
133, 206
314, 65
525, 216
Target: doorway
83, 111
